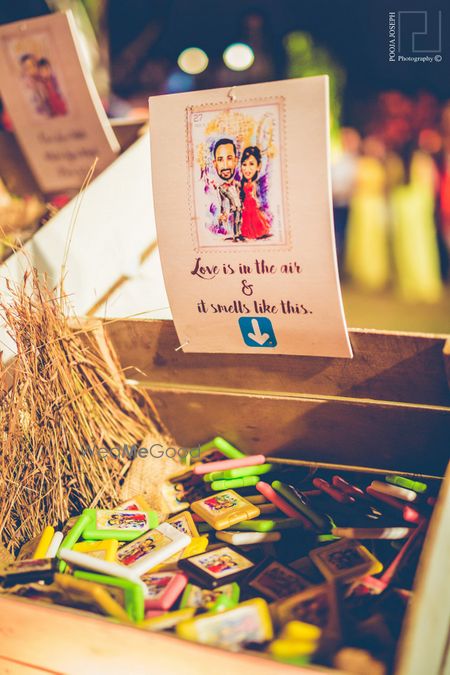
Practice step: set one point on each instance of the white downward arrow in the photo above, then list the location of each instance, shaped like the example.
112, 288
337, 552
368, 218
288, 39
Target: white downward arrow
257, 336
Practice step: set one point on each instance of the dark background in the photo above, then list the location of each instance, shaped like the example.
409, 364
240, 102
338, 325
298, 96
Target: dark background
355, 32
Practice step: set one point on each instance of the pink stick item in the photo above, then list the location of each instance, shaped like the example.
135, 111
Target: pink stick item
284, 506
348, 488
409, 545
409, 514
333, 492
254, 460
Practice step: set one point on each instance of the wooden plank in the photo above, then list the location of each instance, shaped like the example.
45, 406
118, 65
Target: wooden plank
386, 366
426, 630
75, 642
13, 667
380, 437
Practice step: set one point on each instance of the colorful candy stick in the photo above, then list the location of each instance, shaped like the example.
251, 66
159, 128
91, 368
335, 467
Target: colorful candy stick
54, 545
223, 446
44, 543
266, 524
311, 493
238, 473
267, 508
270, 494
394, 491
294, 497
256, 499
415, 485
253, 460
73, 535
245, 481
247, 538
410, 544
371, 532
409, 514
337, 495
349, 489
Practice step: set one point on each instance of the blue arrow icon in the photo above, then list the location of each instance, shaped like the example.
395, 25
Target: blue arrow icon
257, 331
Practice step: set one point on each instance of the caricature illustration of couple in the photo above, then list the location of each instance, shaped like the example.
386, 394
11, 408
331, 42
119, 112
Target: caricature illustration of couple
236, 160
41, 86
240, 211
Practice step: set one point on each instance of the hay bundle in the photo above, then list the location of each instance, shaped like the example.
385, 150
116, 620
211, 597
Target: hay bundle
64, 392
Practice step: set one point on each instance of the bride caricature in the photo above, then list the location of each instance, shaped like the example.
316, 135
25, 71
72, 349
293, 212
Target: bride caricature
254, 222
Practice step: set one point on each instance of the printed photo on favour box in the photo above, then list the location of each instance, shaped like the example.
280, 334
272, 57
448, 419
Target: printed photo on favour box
237, 174
136, 503
221, 502
248, 622
221, 563
345, 559
184, 523
163, 589
195, 596
115, 524
134, 551
156, 584
224, 509
121, 520
277, 581
240, 625
312, 605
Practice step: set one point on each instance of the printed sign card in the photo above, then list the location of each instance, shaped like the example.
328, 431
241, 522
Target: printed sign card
241, 187
56, 111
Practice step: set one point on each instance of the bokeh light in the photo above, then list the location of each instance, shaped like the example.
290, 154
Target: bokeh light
238, 56
193, 60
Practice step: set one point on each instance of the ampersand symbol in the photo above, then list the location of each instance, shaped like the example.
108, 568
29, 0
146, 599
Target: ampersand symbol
247, 289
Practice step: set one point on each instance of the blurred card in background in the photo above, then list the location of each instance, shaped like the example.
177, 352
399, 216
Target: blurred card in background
51, 98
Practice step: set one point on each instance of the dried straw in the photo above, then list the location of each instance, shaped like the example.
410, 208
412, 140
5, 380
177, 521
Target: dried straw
64, 392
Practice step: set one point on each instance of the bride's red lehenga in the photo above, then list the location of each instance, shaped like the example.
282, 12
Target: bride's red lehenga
254, 223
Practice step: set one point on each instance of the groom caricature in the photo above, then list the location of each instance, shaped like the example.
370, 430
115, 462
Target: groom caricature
225, 163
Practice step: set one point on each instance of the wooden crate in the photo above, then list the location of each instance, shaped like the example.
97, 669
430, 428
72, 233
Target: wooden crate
385, 410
